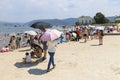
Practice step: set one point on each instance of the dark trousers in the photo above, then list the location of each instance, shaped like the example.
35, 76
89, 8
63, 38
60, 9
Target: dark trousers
77, 38
51, 59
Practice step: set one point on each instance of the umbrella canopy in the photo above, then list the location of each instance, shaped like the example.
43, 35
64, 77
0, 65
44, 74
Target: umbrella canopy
91, 26
26, 32
13, 34
50, 35
31, 32
74, 34
99, 28
41, 25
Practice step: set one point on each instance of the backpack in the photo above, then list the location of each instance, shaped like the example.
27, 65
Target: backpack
18, 38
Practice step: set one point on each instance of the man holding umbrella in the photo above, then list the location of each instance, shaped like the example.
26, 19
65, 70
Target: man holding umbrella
42, 26
45, 47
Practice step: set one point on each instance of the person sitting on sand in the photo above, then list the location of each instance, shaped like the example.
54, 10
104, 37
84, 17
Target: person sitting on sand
5, 49
27, 58
37, 52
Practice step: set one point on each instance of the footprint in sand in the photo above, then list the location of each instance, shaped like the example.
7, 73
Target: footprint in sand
116, 69
70, 65
59, 61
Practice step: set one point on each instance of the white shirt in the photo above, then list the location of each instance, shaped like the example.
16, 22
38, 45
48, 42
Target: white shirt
28, 58
51, 46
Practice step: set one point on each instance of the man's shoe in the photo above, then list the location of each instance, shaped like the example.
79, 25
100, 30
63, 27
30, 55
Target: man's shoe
54, 66
48, 70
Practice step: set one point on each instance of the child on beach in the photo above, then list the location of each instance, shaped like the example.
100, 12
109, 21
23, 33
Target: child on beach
27, 58
51, 51
13, 42
100, 36
5, 49
85, 34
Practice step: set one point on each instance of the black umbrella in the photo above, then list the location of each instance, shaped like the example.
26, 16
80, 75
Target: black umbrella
41, 25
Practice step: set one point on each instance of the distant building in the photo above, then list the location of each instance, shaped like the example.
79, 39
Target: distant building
111, 18
117, 19
87, 20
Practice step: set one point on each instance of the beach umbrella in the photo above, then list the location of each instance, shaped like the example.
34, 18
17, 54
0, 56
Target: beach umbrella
99, 28
31, 32
74, 34
91, 26
41, 25
12, 34
26, 32
50, 35
111, 26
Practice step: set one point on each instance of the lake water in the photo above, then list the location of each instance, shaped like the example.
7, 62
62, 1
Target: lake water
11, 29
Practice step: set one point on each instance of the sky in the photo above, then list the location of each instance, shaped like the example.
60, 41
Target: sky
27, 10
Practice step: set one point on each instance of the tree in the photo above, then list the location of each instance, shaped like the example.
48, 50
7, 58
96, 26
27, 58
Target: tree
100, 18
77, 23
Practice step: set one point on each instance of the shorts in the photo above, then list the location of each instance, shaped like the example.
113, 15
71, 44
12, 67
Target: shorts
45, 47
100, 37
85, 35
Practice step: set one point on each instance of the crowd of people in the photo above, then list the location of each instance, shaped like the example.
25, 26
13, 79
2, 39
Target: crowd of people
75, 33
70, 35
48, 47
34, 42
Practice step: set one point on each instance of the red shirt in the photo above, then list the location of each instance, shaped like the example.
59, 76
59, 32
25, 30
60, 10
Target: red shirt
67, 33
78, 32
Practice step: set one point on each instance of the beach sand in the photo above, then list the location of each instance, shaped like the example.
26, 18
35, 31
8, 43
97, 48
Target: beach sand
74, 61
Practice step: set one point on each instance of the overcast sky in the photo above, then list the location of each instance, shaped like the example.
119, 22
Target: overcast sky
27, 10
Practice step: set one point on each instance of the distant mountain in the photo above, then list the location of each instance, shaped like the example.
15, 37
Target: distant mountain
66, 22
69, 21
112, 18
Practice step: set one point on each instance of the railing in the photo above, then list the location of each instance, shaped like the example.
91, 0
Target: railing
111, 33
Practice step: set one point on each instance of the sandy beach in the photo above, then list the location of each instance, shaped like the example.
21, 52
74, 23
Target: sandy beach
74, 61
